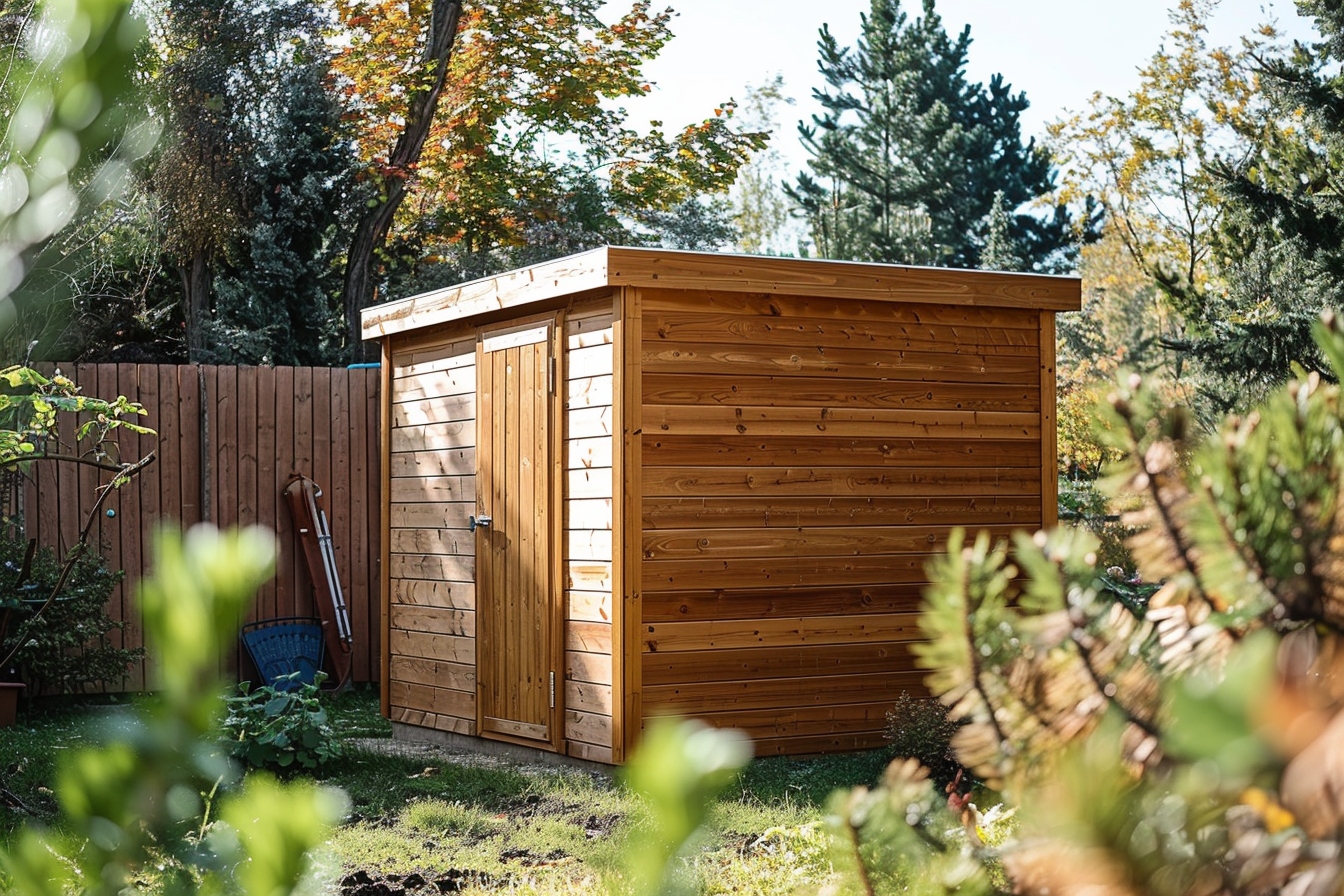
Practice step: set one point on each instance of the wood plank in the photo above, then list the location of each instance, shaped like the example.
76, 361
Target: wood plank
289, 577
588, 606
855, 363
588, 423
270, 482
435, 436
439, 410
776, 512
457, 595
446, 648
661, 450
372, 520
783, 572
714, 603
591, 513
668, 276
588, 727
753, 663
839, 421
588, 453
840, 482
431, 489
590, 667
588, 637
445, 568
415, 670
826, 743
458, 380
589, 483
833, 541
382, 499
440, 356
696, 698
433, 620
589, 752
584, 329
589, 391
700, 319
448, 515
813, 721
733, 634
422, 719
440, 701
1049, 426
460, 542
592, 361
627, 586
588, 576
443, 462
584, 696
588, 544
878, 391
599, 270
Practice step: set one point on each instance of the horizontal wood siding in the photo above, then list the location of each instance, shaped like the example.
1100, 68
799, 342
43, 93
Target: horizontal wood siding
432, 552
803, 457
587, 545
228, 439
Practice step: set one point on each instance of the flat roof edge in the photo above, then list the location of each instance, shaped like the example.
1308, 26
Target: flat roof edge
614, 266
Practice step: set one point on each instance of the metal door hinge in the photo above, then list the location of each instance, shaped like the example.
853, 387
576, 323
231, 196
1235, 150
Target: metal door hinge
552, 690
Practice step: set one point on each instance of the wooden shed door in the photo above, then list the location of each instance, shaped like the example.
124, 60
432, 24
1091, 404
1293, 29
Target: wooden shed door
516, 614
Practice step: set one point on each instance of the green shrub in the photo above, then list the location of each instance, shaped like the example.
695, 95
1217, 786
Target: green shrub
919, 728
67, 648
280, 730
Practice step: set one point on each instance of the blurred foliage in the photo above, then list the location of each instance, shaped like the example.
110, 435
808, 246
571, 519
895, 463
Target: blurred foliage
158, 805
67, 649
281, 728
920, 728
1168, 739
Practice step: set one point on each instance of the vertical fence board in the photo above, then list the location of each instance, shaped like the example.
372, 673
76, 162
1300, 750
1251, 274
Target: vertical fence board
236, 435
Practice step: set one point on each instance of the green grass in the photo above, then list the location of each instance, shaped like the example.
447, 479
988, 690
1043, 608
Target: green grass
490, 825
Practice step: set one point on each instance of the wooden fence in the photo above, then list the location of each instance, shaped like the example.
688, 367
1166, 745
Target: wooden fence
228, 440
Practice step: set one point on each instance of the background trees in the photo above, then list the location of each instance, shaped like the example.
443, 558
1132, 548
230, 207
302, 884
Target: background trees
908, 157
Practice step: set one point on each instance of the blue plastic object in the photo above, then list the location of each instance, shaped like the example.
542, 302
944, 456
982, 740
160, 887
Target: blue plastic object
281, 647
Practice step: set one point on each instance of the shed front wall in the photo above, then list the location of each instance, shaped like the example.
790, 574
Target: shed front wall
801, 458
431, 578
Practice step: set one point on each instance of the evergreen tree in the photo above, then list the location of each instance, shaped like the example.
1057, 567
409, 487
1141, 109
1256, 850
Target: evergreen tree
908, 155
1282, 235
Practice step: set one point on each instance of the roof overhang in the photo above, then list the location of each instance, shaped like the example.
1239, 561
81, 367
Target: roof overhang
616, 266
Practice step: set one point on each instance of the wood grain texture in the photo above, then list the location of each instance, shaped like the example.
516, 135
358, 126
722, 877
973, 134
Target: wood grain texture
819, 449
710, 604
757, 663
715, 512
756, 422
592, 272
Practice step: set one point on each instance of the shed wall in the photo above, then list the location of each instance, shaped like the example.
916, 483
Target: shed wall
802, 457
432, 560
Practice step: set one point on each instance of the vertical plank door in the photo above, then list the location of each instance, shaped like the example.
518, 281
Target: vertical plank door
516, 613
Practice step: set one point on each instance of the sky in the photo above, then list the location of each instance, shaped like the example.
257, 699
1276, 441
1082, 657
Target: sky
1058, 51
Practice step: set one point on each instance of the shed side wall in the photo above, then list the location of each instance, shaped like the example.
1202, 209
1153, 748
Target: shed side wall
432, 593
588, 528
802, 459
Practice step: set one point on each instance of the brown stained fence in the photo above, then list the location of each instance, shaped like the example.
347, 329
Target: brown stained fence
229, 439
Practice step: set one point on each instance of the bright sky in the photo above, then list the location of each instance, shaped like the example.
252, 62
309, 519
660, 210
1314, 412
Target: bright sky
1058, 51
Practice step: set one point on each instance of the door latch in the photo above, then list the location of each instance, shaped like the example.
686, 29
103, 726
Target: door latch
475, 521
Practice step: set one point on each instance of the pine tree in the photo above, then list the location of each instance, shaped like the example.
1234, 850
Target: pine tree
908, 155
1282, 235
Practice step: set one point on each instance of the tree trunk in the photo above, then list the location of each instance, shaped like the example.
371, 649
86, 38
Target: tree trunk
197, 284
371, 232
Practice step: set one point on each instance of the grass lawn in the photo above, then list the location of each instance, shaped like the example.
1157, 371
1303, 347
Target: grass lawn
431, 822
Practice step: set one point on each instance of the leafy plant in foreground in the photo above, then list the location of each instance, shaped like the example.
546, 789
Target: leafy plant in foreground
159, 801
283, 730
1182, 751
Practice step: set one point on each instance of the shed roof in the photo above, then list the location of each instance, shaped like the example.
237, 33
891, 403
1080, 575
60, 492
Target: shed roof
667, 269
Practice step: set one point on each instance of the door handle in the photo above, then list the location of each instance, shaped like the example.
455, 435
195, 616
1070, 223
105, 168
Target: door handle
478, 521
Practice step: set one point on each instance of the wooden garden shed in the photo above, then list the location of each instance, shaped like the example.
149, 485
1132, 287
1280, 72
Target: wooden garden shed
635, 482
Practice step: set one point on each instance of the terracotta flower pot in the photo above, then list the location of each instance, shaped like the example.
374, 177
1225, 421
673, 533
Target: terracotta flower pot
9, 701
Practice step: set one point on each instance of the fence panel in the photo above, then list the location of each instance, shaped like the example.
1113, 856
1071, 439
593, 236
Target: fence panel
229, 440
